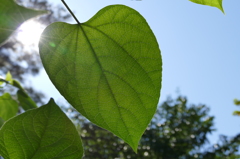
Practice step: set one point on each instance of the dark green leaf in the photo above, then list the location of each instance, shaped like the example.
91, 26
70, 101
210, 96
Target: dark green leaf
236, 102
25, 101
41, 133
108, 68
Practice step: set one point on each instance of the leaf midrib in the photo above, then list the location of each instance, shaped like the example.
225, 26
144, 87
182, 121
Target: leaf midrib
99, 63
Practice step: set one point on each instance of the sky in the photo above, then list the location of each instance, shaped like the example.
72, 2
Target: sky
200, 52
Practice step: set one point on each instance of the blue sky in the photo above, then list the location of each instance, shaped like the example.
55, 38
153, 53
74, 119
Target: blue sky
200, 51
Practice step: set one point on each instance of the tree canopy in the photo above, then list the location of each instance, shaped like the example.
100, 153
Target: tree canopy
178, 130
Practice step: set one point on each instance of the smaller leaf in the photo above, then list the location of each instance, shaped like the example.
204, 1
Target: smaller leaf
212, 3
9, 77
8, 106
236, 113
40, 133
25, 101
236, 102
17, 84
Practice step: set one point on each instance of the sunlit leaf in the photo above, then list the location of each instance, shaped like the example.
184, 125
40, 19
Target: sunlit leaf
8, 106
41, 133
212, 3
12, 16
9, 77
108, 68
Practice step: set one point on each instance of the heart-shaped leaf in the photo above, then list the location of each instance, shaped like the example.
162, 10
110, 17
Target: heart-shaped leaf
12, 16
212, 3
44, 132
108, 68
8, 106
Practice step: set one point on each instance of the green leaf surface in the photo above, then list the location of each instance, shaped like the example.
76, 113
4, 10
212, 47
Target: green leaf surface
41, 133
212, 3
109, 68
1, 122
8, 106
12, 16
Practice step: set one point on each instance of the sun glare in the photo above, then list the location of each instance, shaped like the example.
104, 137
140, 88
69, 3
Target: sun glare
29, 32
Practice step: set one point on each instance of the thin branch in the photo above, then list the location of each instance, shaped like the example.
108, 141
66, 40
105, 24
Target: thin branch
70, 11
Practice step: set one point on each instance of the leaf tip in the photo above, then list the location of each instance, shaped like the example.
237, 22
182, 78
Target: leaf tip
51, 101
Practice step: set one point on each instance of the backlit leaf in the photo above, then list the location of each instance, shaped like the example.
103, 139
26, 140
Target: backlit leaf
40, 133
8, 106
212, 3
12, 16
108, 68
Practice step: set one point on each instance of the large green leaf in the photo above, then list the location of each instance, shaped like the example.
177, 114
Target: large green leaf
212, 3
40, 133
1, 122
108, 68
12, 15
8, 106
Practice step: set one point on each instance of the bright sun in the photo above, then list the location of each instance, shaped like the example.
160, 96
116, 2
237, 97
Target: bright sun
29, 32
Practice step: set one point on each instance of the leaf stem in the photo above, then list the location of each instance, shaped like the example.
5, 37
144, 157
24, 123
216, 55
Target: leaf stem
3, 80
70, 11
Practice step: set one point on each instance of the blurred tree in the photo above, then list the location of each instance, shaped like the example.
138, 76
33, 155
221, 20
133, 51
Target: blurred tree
176, 131
22, 60
227, 148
